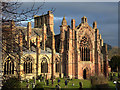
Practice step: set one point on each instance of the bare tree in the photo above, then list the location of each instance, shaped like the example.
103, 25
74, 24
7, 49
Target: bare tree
14, 11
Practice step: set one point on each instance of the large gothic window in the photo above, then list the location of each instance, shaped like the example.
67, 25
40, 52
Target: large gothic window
85, 49
28, 65
9, 66
57, 66
44, 66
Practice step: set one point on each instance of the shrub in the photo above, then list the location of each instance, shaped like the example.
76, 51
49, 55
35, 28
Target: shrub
114, 76
99, 81
11, 83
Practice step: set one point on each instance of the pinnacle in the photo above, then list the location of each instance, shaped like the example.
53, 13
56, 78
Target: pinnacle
64, 22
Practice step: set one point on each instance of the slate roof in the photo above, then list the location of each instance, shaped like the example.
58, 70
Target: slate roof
34, 31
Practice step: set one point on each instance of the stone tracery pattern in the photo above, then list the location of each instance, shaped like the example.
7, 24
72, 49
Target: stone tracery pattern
78, 47
85, 49
9, 66
28, 64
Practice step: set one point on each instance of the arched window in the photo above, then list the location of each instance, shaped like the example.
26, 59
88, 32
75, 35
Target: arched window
57, 65
85, 49
44, 66
28, 65
9, 66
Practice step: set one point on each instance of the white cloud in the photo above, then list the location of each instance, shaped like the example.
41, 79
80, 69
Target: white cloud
58, 18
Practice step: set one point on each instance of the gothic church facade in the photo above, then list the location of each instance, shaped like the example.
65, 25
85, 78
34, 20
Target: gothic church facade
77, 52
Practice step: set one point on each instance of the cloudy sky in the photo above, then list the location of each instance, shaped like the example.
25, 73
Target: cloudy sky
105, 13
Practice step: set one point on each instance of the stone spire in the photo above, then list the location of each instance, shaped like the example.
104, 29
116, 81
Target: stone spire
64, 22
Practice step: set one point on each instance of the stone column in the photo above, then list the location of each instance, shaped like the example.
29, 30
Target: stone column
94, 25
73, 24
61, 50
69, 52
44, 36
96, 52
12, 36
20, 54
53, 57
38, 51
28, 34
106, 61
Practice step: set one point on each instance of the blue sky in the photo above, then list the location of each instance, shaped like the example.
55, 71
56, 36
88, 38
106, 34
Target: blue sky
105, 13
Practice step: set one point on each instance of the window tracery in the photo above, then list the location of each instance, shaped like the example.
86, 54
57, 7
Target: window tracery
85, 49
9, 66
28, 65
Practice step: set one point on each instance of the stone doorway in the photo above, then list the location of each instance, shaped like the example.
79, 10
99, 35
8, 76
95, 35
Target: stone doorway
85, 74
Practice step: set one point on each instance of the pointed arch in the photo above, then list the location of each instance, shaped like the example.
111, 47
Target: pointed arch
85, 73
8, 66
44, 65
88, 32
27, 64
46, 57
86, 46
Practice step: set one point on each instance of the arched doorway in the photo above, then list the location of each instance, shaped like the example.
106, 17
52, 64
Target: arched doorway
85, 74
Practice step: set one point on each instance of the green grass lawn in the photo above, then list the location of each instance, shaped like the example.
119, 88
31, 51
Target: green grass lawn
111, 85
86, 84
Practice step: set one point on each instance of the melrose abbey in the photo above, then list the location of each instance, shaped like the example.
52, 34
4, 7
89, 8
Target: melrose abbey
77, 52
